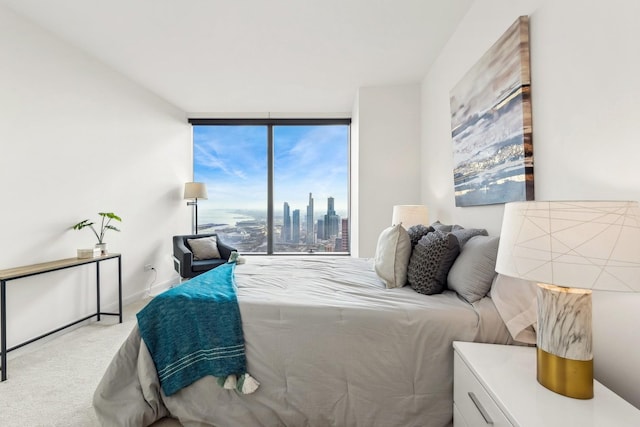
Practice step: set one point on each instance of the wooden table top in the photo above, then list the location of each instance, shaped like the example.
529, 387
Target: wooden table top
33, 269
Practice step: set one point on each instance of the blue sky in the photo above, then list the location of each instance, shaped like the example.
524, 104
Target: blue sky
232, 161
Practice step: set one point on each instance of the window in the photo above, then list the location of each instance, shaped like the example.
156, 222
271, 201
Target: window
274, 186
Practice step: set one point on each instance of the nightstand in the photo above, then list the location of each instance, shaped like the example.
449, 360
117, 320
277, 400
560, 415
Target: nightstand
496, 385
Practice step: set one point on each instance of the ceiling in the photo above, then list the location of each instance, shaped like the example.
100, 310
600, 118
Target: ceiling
255, 56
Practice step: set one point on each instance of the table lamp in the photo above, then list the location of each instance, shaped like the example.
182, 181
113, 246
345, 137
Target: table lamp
409, 215
570, 248
195, 191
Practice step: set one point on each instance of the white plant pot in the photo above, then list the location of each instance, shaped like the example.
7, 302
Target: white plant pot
102, 247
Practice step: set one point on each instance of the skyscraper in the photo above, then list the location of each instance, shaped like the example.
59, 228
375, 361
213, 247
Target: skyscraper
295, 231
310, 235
286, 223
320, 229
345, 235
331, 221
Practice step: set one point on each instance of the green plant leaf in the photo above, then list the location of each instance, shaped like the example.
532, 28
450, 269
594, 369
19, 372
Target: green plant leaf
82, 224
110, 215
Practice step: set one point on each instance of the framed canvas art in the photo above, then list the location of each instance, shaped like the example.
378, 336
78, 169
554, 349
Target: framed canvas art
491, 124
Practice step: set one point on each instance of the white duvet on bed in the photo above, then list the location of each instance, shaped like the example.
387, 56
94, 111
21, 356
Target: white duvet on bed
330, 345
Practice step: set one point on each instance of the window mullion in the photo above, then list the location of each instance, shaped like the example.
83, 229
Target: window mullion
270, 224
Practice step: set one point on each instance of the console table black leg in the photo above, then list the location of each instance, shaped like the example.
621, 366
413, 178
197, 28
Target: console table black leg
120, 287
3, 331
98, 288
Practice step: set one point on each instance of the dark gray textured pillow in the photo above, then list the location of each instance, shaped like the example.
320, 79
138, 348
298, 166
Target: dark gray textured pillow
430, 262
441, 227
474, 270
417, 231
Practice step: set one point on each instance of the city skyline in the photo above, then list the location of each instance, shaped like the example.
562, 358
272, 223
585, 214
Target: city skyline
247, 230
323, 227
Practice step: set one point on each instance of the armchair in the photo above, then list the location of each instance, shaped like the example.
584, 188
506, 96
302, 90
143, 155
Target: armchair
184, 263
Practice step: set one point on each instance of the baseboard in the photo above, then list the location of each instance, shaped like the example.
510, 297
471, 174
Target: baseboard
150, 292
161, 287
154, 290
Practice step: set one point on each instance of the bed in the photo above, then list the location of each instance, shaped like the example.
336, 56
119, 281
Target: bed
329, 343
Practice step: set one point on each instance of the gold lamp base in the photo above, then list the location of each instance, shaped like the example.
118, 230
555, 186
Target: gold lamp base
571, 378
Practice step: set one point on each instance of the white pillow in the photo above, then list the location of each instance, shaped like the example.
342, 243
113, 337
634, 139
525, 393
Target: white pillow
204, 248
392, 256
516, 301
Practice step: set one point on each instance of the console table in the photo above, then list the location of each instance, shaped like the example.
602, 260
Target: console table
46, 267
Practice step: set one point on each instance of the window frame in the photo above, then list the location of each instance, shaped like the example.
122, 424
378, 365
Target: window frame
270, 123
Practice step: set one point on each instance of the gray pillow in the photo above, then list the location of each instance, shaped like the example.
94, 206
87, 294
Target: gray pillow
204, 248
474, 270
464, 234
430, 262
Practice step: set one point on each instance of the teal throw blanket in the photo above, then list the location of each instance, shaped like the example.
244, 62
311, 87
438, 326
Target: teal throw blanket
195, 329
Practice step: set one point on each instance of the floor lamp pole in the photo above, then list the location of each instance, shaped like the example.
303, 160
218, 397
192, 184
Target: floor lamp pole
195, 206
195, 191
196, 209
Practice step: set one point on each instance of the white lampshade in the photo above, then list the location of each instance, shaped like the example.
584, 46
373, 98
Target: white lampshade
195, 190
579, 244
409, 215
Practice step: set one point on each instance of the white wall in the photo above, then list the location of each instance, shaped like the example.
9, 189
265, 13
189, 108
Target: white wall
385, 160
77, 138
586, 108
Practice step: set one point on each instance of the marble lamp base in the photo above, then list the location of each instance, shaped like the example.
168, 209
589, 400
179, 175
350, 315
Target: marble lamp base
564, 337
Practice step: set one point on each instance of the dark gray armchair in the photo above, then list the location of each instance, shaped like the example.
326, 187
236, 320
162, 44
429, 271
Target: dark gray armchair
184, 263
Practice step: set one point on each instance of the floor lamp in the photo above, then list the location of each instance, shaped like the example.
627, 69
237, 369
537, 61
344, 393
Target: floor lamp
195, 191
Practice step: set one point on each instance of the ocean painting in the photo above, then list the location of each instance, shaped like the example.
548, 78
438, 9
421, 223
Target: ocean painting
491, 124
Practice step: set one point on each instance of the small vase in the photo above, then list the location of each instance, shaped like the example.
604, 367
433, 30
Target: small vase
102, 247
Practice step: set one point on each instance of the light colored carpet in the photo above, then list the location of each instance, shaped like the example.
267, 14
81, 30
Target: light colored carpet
52, 384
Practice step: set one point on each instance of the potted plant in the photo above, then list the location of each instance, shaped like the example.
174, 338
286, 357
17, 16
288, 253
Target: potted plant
105, 225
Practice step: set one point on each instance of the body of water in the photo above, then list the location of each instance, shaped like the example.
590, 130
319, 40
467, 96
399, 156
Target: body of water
221, 216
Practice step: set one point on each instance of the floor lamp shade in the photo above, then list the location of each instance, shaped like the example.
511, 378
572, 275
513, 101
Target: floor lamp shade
409, 215
570, 248
195, 191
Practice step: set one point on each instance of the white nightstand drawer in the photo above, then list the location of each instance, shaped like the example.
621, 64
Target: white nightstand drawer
472, 401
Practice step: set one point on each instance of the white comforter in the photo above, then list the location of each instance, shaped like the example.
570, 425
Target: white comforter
330, 346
